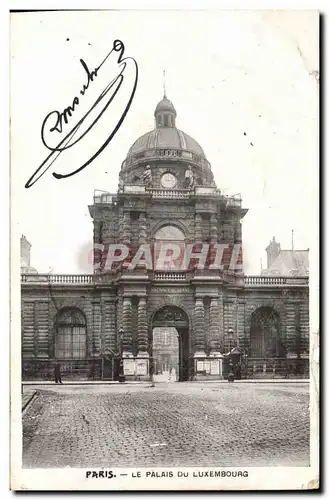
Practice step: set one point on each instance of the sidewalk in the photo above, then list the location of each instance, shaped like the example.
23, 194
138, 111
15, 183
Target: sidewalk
132, 382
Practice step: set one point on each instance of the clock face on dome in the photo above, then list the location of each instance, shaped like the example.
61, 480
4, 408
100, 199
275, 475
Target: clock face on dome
168, 180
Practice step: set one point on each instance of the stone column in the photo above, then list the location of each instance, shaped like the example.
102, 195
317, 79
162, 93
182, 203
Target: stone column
126, 229
127, 326
290, 341
142, 335
199, 326
213, 230
240, 324
142, 229
198, 228
142, 360
214, 326
96, 338
238, 232
304, 324
28, 335
41, 328
98, 254
109, 325
97, 231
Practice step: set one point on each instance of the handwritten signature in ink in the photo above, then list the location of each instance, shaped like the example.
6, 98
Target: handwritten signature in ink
55, 121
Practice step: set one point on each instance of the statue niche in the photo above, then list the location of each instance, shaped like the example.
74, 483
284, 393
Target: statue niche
170, 316
189, 178
147, 176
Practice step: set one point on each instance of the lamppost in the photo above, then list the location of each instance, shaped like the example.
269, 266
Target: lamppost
230, 333
122, 377
152, 363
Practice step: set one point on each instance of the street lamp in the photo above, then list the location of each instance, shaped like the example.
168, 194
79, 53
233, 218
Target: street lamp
230, 333
122, 377
152, 362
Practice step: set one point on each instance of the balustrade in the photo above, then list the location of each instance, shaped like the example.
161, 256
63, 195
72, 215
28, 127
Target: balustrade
170, 193
159, 275
57, 278
172, 276
276, 280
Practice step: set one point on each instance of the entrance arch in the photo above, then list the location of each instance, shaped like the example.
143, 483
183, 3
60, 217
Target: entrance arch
265, 334
170, 343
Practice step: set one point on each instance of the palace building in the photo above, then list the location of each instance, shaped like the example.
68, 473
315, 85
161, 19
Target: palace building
173, 314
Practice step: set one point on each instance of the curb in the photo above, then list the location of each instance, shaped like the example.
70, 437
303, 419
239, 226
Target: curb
143, 383
82, 383
28, 401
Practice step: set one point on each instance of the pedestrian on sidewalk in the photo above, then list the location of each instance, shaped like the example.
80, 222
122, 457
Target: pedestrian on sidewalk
238, 371
230, 377
58, 377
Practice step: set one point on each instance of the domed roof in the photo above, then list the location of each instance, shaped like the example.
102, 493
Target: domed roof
165, 105
166, 137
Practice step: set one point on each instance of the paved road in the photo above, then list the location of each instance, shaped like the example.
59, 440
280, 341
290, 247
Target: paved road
182, 424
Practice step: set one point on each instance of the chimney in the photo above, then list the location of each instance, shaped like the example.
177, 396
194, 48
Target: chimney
272, 251
25, 252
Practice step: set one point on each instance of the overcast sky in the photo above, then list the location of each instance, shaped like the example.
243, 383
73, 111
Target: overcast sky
241, 86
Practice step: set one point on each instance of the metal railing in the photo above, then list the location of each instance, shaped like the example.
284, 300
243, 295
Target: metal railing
275, 368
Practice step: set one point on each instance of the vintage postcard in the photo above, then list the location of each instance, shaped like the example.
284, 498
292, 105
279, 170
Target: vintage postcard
164, 250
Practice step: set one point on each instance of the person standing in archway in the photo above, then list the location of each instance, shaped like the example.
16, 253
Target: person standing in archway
58, 378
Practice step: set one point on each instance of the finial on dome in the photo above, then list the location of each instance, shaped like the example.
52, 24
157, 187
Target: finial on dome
164, 83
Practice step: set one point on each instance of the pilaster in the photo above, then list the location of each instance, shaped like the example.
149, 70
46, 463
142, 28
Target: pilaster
28, 347
213, 229
41, 328
214, 325
142, 334
127, 326
199, 327
109, 329
96, 337
198, 229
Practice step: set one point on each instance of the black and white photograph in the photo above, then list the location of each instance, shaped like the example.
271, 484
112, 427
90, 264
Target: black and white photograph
164, 186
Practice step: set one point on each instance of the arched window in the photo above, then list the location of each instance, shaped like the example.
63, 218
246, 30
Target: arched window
71, 334
265, 334
169, 233
169, 249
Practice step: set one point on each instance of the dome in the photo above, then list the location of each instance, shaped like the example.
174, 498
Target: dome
165, 137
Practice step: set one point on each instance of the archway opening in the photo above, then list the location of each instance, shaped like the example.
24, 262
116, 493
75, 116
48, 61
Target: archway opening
170, 345
165, 354
265, 334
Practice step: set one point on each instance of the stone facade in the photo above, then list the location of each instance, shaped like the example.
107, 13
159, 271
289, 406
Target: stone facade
166, 188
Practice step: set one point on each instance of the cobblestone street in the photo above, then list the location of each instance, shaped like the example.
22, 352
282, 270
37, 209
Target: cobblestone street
182, 424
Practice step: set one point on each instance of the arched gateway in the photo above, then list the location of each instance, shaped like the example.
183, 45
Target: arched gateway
170, 341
